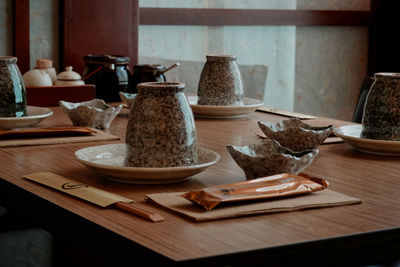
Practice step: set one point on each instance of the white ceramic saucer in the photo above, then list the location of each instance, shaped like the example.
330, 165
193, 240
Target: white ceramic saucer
35, 115
351, 135
107, 161
224, 112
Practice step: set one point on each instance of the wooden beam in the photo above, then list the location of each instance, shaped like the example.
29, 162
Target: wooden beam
253, 17
21, 34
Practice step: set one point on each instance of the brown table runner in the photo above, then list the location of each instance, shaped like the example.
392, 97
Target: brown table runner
321, 199
98, 135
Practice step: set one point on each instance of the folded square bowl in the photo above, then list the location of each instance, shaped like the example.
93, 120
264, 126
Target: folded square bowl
267, 157
94, 113
127, 98
295, 134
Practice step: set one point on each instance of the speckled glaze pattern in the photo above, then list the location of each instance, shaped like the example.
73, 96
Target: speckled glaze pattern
220, 82
381, 119
161, 131
268, 157
12, 89
295, 134
94, 113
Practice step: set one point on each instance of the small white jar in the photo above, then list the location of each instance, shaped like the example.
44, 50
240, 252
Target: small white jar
36, 78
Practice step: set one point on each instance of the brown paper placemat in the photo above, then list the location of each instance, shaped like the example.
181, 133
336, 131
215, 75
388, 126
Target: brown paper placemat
327, 141
286, 113
321, 199
98, 135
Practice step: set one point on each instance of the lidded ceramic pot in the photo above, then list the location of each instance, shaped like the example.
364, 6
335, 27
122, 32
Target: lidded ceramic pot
381, 119
220, 82
12, 89
69, 77
161, 131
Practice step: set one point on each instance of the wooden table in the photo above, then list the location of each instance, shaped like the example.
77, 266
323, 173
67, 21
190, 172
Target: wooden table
88, 235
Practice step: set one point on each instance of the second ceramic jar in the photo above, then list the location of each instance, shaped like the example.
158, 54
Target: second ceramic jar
381, 119
220, 82
161, 131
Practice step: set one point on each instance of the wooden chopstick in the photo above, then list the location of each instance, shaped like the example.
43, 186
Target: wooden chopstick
134, 209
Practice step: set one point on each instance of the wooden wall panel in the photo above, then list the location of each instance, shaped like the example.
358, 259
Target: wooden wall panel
99, 27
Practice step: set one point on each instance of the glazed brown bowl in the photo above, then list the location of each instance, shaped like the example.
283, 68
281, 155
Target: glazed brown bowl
268, 157
295, 134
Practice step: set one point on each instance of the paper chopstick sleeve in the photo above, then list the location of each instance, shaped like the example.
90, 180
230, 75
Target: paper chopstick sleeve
261, 188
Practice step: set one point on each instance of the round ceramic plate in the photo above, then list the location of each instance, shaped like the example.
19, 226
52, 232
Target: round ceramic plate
224, 112
35, 115
107, 161
351, 135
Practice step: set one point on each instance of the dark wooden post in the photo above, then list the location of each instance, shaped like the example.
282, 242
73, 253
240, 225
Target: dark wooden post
21, 34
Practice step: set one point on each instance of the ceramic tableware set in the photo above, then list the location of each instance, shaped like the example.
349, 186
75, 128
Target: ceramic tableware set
161, 140
379, 132
290, 146
220, 93
44, 74
14, 111
161, 136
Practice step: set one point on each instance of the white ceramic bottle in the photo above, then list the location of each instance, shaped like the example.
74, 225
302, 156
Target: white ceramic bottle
46, 65
42, 75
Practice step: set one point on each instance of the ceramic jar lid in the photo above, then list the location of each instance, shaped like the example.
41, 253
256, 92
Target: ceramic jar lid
68, 75
149, 67
106, 59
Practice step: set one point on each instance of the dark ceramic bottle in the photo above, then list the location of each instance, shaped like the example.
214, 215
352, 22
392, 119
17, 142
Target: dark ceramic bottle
109, 73
161, 131
381, 119
12, 89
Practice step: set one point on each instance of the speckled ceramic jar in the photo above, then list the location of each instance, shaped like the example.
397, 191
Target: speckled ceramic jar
12, 89
381, 119
161, 131
220, 82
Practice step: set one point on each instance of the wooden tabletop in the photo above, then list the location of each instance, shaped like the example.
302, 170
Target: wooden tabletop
341, 233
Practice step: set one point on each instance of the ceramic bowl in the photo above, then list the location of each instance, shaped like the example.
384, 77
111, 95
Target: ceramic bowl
127, 98
268, 157
295, 134
94, 113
